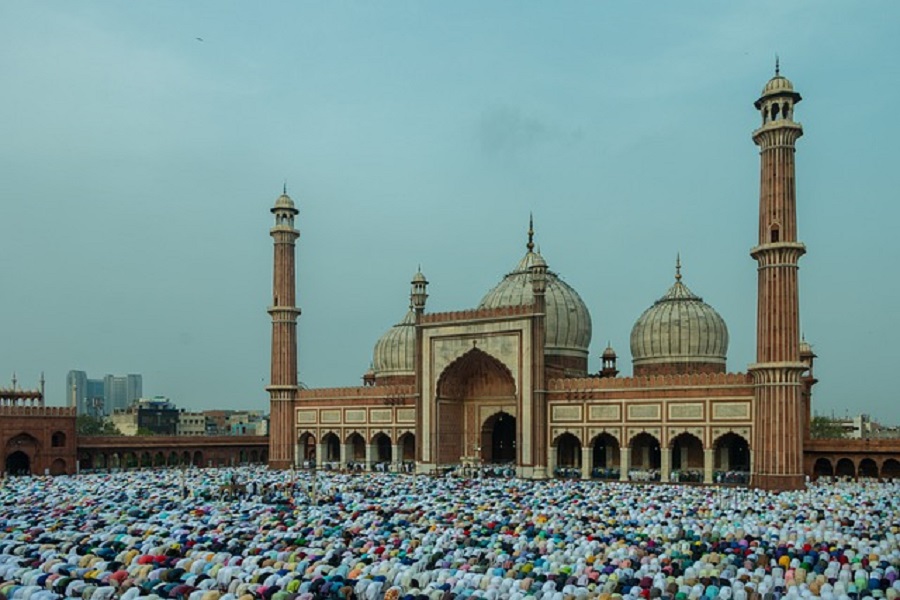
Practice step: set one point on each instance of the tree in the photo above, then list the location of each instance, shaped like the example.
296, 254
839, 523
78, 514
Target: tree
88, 425
822, 427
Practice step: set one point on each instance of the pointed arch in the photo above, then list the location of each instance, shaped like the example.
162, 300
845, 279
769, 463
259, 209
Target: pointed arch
568, 455
306, 446
646, 456
891, 469
868, 468
356, 448
687, 452
476, 376
332, 447
383, 451
407, 443
498, 439
732, 453
605, 456
845, 468
823, 468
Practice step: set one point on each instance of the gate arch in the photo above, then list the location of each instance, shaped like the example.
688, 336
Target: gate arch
474, 377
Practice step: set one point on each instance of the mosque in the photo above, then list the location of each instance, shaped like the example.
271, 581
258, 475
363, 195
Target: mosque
507, 382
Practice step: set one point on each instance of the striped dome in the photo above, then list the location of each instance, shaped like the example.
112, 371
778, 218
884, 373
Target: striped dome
395, 351
568, 322
679, 328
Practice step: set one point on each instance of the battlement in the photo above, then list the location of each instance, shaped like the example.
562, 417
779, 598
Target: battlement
650, 381
476, 314
37, 411
374, 391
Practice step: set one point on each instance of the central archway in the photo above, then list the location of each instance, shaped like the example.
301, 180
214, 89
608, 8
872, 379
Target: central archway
498, 439
472, 387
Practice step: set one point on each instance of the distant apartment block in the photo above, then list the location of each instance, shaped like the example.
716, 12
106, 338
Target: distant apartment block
102, 397
191, 423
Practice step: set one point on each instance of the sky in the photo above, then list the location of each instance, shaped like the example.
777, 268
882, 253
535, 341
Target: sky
143, 144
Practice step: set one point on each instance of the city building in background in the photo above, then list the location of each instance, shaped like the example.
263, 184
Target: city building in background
102, 397
150, 416
191, 423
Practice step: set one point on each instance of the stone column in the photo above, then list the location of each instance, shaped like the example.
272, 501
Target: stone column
665, 463
370, 456
624, 462
345, 453
396, 457
320, 455
586, 462
551, 460
709, 457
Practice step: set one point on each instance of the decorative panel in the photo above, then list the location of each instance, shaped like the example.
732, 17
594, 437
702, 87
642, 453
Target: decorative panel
605, 412
380, 415
355, 415
566, 413
643, 412
722, 411
330, 416
686, 411
306, 417
406, 415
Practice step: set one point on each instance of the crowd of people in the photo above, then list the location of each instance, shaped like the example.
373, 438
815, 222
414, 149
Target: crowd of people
280, 535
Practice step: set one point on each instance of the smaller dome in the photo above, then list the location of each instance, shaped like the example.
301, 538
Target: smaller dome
419, 277
284, 202
679, 329
609, 352
778, 84
395, 351
806, 349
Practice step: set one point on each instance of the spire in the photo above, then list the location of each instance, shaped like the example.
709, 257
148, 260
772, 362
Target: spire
777, 67
678, 267
530, 244
284, 189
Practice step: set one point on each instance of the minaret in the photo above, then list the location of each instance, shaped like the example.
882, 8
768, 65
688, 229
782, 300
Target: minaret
283, 383
417, 296
539, 459
778, 400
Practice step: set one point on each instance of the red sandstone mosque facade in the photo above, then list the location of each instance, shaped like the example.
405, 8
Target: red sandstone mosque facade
507, 382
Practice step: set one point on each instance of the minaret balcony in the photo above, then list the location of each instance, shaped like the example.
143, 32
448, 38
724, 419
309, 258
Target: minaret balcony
778, 253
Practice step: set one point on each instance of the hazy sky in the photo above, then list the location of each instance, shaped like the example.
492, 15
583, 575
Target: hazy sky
139, 164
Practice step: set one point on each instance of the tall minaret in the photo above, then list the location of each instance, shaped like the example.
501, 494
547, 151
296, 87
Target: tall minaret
778, 399
283, 384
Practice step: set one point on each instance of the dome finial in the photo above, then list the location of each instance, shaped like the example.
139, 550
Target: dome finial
284, 189
777, 67
530, 244
678, 267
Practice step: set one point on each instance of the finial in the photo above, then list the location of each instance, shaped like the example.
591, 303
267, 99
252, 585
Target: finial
284, 189
678, 267
777, 67
530, 244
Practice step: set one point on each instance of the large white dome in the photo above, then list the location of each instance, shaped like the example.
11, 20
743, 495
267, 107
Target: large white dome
568, 322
